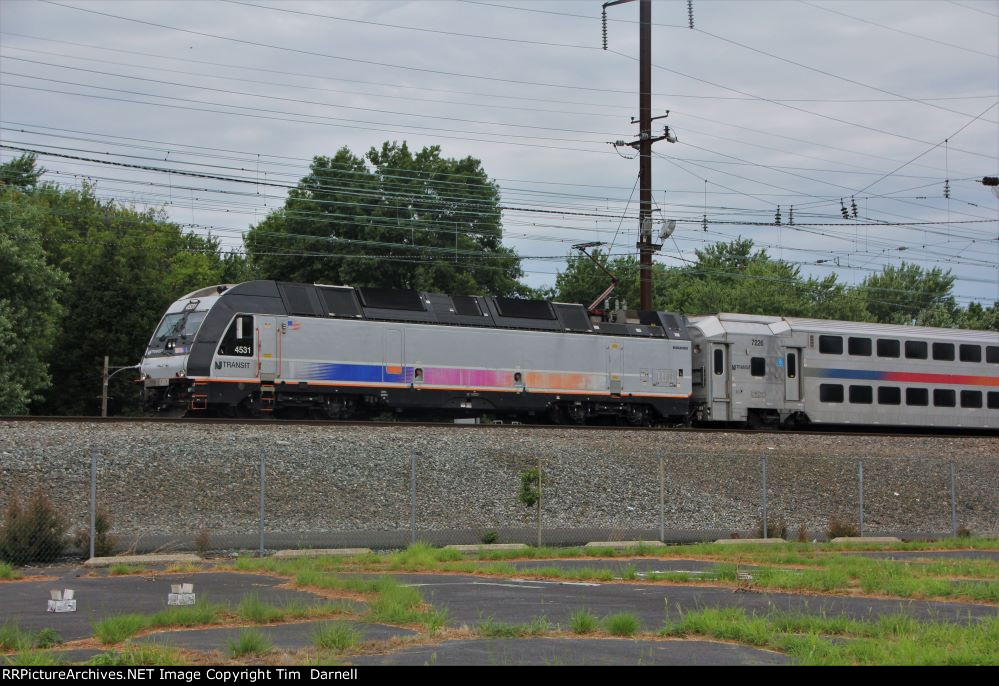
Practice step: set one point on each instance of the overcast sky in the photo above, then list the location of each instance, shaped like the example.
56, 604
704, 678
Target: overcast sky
257, 88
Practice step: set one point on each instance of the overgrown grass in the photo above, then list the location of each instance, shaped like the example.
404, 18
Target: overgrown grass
622, 624
8, 573
34, 658
252, 609
139, 656
117, 628
121, 569
820, 640
583, 622
490, 628
14, 638
250, 642
337, 636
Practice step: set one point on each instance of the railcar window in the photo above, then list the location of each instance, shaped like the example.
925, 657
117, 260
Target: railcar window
719, 361
915, 350
889, 395
943, 397
888, 347
792, 365
758, 366
859, 346
971, 398
831, 393
994, 400
831, 345
992, 354
238, 340
971, 353
919, 397
943, 351
862, 395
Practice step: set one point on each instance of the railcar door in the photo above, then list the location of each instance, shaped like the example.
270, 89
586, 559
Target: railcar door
720, 397
614, 378
792, 374
394, 370
268, 347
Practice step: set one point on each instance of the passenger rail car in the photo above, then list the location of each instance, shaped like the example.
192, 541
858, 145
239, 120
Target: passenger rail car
784, 371
263, 346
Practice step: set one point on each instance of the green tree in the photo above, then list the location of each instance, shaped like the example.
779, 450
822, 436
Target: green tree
29, 307
109, 270
907, 293
390, 219
20, 172
582, 280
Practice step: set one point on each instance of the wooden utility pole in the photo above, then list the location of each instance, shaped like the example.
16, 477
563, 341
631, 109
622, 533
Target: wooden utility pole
645, 246
645, 153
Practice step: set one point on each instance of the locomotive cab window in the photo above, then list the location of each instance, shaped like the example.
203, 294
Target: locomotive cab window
888, 347
831, 345
860, 346
238, 340
915, 350
719, 361
758, 366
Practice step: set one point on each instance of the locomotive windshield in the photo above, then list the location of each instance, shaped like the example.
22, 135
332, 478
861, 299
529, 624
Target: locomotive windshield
178, 324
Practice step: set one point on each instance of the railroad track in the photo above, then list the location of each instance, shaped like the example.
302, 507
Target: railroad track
886, 432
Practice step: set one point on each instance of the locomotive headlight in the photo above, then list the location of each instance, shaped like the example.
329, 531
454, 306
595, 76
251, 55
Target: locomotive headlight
181, 374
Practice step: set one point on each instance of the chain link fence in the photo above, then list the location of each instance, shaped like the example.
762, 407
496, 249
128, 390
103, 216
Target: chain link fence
229, 494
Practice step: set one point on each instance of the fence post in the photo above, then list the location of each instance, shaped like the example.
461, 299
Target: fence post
662, 503
539, 502
93, 499
263, 482
953, 502
412, 495
860, 477
765, 528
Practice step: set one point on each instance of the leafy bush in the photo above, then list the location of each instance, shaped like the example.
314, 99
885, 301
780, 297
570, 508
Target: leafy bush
34, 533
530, 491
622, 624
802, 533
490, 537
104, 542
841, 527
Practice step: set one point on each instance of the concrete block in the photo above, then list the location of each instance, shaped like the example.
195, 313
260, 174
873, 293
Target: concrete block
481, 547
322, 552
624, 544
158, 558
736, 541
866, 539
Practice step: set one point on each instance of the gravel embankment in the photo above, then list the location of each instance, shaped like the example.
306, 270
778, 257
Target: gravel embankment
165, 482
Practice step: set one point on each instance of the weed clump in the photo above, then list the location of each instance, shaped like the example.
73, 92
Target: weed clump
104, 542
776, 528
623, 624
841, 528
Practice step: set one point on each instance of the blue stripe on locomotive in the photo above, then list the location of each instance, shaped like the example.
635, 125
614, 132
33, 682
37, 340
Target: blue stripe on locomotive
356, 373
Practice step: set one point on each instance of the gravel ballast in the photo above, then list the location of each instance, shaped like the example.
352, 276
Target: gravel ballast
163, 483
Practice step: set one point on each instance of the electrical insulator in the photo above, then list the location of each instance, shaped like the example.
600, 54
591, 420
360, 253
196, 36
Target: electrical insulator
790, 215
842, 209
690, 13
605, 27
947, 188
704, 223
777, 216
853, 207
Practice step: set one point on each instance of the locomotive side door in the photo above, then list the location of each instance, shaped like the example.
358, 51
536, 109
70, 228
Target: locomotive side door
792, 374
614, 378
268, 347
719, 373
392, 349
